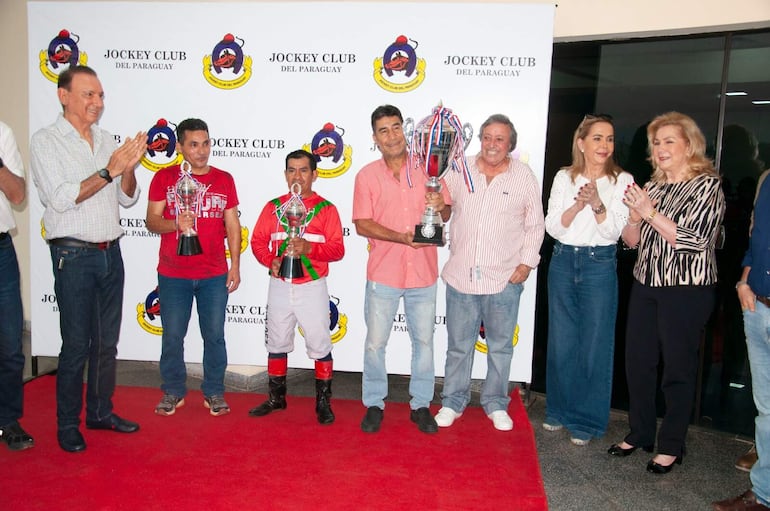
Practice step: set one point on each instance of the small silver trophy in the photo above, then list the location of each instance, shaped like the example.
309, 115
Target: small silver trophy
292, 215
189, 194
437, 144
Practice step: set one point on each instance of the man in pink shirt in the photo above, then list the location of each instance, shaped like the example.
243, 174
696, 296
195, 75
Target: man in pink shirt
385, 210
496, 231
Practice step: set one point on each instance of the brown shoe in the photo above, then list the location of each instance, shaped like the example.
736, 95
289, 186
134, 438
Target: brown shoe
747, 461
745, 502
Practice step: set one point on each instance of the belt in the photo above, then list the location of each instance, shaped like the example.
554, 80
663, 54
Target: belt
765, 300
3, 235
75, 243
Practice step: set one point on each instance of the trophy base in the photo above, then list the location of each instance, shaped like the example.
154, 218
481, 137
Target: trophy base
291, 268
188, 246
431, 234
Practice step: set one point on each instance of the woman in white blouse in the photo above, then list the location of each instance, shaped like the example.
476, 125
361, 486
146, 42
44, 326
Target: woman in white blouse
586, 215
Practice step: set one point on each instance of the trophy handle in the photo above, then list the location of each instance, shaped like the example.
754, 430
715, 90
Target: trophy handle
467, 135
408, 128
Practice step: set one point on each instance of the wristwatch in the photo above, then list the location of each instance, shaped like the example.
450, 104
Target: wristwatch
105, 174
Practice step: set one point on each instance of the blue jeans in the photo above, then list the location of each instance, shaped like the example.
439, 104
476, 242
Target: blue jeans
380, 307
89, 293
11, 354
464, 314
582, 306
176, 297
757, 328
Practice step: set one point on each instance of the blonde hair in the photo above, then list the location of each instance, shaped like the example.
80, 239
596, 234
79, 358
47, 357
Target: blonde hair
697, 162
611, 169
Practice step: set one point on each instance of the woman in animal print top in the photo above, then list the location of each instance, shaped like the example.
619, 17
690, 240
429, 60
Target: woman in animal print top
674, 221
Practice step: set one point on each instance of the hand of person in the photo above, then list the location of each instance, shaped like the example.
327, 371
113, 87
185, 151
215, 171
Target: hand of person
407, 238
298, 246
588, 194
580, 202
520, 274
233, 279
435, 200
747, 298
125, 157
638, 202
185, 221
275, 267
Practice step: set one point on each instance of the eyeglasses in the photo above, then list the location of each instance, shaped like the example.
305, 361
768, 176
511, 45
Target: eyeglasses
601, 117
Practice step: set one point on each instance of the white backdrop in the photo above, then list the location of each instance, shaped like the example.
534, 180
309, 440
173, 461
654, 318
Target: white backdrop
269, 78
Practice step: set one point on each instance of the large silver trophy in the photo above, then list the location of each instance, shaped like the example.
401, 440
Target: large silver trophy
189, 198
437, 144
292, 215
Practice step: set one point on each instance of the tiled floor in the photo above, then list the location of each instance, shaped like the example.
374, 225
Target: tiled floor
579, 478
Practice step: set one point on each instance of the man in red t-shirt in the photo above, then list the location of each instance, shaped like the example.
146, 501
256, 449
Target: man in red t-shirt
305, 299
204, 277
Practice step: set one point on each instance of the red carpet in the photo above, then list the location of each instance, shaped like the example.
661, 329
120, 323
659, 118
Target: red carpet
285, 461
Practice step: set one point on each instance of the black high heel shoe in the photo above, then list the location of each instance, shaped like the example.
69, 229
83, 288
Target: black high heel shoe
657, 468
617, 450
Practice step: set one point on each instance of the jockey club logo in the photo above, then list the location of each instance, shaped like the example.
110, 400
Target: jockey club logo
399, 69
62, 52
161, 147
333, 157
481, 342
227, 67
338, 323
148, 313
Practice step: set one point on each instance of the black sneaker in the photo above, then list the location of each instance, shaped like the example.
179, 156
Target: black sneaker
372, 420
15, 437
424, 420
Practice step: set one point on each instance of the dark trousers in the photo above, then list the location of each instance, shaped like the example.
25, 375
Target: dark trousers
667, 322
89, 293
11, 324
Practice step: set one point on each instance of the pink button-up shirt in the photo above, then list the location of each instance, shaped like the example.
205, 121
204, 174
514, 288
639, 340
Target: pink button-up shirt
393, 204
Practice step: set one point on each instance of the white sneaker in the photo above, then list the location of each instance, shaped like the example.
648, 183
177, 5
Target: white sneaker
446, 417
501, 420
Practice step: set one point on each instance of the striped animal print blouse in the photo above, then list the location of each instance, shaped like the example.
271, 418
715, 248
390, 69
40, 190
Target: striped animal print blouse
697, 206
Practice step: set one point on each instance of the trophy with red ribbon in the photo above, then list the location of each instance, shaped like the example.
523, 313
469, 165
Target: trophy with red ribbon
437, 144
189, 194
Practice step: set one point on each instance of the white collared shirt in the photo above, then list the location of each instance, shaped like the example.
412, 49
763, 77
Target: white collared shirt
60, 160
